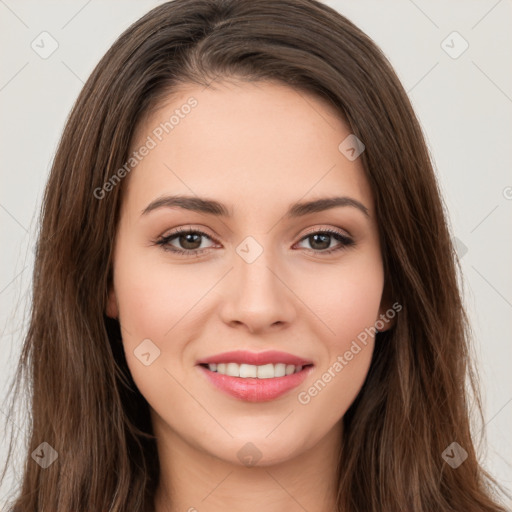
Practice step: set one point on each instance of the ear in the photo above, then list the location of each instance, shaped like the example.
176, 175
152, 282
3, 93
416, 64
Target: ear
388, 311
111, 309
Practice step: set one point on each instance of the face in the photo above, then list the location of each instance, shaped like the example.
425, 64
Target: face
194, 280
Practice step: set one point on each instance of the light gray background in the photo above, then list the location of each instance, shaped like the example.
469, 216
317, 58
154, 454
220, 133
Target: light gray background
464, 105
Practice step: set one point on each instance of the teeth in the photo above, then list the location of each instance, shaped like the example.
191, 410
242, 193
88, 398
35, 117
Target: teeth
247, 370
233, 370
280, 370
266, 371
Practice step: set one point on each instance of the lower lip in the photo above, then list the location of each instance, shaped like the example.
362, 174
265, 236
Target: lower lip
256, 390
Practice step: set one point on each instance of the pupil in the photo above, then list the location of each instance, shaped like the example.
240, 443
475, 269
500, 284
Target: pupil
323, 244
188, 240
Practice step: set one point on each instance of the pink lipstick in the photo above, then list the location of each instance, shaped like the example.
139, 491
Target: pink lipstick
255, 376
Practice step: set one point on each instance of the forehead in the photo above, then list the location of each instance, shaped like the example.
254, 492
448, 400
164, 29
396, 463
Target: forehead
250, 144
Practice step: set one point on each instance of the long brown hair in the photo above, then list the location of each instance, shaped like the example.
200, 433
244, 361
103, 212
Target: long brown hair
84, 404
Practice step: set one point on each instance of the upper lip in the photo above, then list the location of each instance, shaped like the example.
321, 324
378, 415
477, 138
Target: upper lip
255, 358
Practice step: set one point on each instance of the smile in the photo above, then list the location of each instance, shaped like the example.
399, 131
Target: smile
268, 384
244, 371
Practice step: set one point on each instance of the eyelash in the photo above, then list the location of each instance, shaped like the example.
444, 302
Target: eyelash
164, 241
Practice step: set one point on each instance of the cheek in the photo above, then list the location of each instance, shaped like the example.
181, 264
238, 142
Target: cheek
349, 310
345, 298
351, 316
154, 297
358, 307
154, 301
164, 303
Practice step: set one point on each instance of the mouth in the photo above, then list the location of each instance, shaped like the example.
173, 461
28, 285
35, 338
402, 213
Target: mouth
255, 383
247, 371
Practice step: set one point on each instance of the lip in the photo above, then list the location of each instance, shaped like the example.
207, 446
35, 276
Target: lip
255, 358
255, 390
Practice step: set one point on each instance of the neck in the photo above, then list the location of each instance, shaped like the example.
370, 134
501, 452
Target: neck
192, 480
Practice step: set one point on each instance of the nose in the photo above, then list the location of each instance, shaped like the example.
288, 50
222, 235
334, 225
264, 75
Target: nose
257, 297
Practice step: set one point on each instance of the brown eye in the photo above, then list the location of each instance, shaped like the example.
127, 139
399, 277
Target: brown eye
320, 241
184, 241
190, 241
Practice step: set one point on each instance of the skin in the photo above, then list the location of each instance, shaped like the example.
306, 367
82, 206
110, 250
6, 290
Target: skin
257, 148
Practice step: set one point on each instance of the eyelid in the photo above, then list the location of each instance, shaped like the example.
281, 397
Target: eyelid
187, 229
332, 229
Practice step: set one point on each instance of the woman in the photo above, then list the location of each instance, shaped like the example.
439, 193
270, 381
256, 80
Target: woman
245, 292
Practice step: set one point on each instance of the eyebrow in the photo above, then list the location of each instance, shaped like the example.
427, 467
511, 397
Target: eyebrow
212, 207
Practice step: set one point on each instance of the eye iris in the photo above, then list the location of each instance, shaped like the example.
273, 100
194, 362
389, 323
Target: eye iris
324, 243
188, 239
